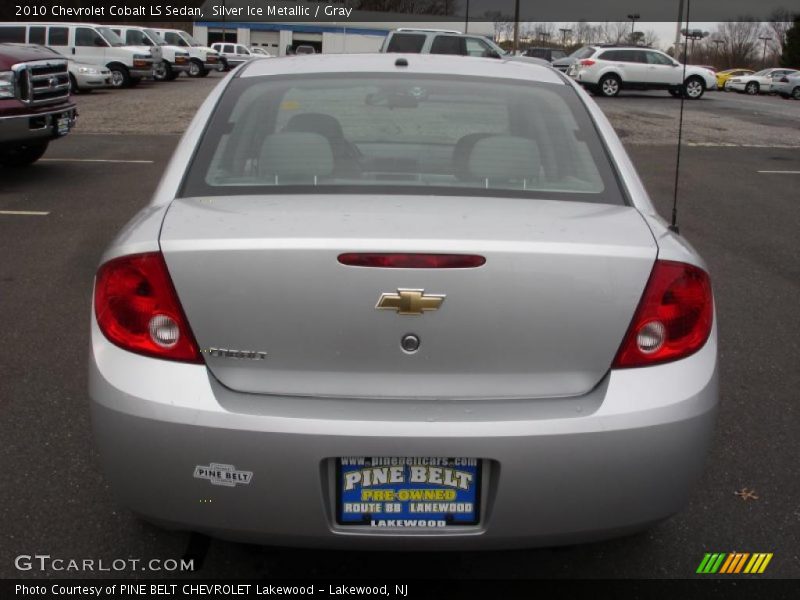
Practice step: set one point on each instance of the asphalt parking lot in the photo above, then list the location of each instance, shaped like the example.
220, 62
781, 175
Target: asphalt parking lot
738, 205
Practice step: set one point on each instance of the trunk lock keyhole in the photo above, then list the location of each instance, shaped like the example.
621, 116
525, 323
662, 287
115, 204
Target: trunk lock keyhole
409, 343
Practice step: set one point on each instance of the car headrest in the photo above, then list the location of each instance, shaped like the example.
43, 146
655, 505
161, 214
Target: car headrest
462, 151
505, 158
295, 155
322, 124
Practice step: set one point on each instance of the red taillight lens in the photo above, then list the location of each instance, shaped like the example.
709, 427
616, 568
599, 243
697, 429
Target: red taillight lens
137, 308
411, 261
673, 319
587, 62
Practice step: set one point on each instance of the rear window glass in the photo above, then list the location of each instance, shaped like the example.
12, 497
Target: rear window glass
406, 42
401, 134
584, 52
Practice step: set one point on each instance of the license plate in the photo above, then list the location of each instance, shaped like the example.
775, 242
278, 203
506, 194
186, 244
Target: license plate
62, 125
408, 493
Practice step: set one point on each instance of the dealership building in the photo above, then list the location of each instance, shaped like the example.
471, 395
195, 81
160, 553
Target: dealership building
325, 37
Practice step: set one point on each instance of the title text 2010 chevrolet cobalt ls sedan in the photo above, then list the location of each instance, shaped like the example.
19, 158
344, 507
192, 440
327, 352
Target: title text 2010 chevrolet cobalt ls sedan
392, 301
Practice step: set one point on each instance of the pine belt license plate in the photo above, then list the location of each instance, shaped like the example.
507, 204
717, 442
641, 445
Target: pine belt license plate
408, 493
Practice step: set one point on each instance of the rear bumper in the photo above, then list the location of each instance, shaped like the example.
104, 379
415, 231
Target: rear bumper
31, 127
560, 471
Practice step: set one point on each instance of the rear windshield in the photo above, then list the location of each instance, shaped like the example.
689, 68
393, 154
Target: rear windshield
584, 52
401, 133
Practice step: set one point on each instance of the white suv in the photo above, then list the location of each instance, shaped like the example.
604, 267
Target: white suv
446, 41
607, 70
233, 54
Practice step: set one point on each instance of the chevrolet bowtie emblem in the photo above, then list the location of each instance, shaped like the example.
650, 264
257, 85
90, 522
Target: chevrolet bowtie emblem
410, 302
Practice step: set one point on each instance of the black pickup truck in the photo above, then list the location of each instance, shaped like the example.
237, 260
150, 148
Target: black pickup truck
35, 104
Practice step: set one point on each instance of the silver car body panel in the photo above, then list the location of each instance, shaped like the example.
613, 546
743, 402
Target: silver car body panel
616, 453
579, 271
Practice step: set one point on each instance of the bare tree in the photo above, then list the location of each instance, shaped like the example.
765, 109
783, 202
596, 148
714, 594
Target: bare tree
740, 39
542, 33
582, 33
650, 38
503, 24
780, 21
612, 33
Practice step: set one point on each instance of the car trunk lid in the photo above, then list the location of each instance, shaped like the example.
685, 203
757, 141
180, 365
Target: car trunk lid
275, 312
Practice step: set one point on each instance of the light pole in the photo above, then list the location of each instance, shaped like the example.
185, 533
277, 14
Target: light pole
515, 47
633, 18
466, 19
564, 31
764, 56
693, 35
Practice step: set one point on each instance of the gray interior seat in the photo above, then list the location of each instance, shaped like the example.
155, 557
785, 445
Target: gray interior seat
345, 153
289, 157
504, 159
461, 153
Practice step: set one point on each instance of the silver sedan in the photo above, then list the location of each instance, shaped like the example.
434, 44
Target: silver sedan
402, 301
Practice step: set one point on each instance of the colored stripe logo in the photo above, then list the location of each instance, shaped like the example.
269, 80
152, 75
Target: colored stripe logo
734, 563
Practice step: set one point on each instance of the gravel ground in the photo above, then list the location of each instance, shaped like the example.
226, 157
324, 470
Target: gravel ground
149, 108
649, 118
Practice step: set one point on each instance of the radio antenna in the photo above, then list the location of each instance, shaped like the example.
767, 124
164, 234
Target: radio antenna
674, 224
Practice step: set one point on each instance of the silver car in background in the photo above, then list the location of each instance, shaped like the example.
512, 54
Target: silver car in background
402, 301
788, 86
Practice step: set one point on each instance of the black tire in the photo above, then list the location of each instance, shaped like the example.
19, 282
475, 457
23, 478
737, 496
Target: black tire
204, 73
752, 88
173, 74
694, 88
135, 81
796, 93
120, 77
195, 68
22, 156
161, 73
73, 85
610, 86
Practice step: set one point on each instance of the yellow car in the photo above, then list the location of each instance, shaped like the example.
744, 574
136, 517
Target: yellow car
724, 76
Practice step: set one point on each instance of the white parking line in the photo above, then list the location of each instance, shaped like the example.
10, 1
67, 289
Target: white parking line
781, 172
97, 160
28, 213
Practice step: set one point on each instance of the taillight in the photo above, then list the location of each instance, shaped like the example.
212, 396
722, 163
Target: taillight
138, 310
587, 62
673, 319
411, 261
